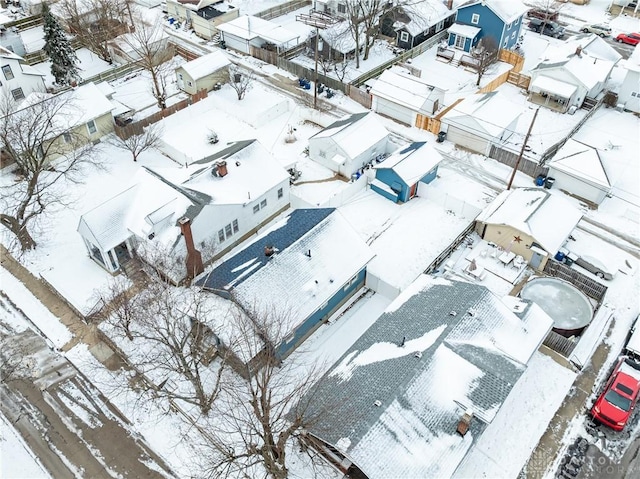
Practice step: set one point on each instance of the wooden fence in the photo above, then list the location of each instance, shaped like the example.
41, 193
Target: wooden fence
361, 96
25, 23
137, 128
519, 80
588, 286
509, 158
282, 9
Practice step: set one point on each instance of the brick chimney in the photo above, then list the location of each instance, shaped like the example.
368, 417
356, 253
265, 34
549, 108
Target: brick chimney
222, 168
450, 4
194, 258
579, 50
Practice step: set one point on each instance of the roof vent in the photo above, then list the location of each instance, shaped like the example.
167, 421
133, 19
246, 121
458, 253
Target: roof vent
471, 312
453, 313
308, 253
403, 342
417, 354
377, 403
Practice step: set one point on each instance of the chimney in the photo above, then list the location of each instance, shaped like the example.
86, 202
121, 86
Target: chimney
194, 258
579, 51
450, 4
268, 250
465, 422
221, 168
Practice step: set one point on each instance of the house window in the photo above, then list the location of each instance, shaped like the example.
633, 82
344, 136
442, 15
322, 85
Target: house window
633, 93
227, 230
459, 43
221, 235
350, 282
256, 208
66, 137
91, 126
404, 37
322, 154
18, 94
513, 35
235, 226
509, 26
504, 44
439, 26
475, 18
280, 193
263, 203
342, 8
8, 74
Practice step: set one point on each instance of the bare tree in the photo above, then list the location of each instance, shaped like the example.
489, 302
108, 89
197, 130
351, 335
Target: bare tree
240, 80
149, 139
149, 47
354, 21
172, 344
260, 411
33, 134
95, 22
485, 54
341, 69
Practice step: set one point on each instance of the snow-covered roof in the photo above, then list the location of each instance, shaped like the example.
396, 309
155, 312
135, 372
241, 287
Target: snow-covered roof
466, 31
633, 62
581, 161
249, 27
392, 402
205, 65
316, 252
591, 44
423, 15
412, 162
548, 219
401, 87
9, 55
507, 10
493, 112
252, 172
355, 133
340, 37
553, 86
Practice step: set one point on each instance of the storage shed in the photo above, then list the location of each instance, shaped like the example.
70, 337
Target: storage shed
203, 73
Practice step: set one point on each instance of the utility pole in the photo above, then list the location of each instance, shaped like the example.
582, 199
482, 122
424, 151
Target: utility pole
315, 82
524, 144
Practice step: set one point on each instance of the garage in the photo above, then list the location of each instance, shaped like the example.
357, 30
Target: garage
467, 139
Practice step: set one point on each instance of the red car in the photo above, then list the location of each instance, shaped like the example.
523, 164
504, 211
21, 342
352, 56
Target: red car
615, 405
628, 38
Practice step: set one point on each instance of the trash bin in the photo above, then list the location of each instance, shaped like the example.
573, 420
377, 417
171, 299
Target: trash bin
559, 256
441, 136
540, 180
548, 183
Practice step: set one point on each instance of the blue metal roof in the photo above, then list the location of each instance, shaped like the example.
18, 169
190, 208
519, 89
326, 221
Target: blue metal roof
234, 270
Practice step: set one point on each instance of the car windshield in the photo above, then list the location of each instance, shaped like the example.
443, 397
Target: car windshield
618, 401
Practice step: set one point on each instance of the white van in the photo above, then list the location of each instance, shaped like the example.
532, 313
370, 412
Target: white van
633, 344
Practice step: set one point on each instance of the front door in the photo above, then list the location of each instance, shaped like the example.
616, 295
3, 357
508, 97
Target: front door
460, 42
536, 259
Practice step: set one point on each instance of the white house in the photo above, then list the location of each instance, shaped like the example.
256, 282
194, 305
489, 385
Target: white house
203, 72
578, 169
629, 94
348, 144
404, 97
206, 207
571, 72
248, 31
18, 78
203, 16
481, 120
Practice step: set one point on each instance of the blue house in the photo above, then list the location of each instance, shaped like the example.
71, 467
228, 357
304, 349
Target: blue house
498, 19
300, 272
398, 176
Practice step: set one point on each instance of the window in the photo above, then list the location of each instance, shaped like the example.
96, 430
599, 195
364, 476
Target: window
475, 18
67, 137
342, 8
263, 203
91, 126
322, 154
439, 26
221, 235
227, 230
280, 193
18, 94
235, 226
350, 282
404, 37
8, 74
256, 208
459, 43
633, 93
509, 26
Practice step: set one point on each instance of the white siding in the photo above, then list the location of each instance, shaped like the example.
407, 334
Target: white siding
393, 110
577, 187
468, 140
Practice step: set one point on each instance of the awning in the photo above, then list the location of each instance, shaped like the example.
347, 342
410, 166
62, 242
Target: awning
464, 30
553, 86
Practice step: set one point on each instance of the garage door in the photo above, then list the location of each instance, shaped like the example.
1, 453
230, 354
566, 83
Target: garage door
467, 140
393, 110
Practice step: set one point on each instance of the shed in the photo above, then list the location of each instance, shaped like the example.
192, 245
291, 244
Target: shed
577, 169
398, 176
403, 97
301, 270
203, 73
481, 120
248, 31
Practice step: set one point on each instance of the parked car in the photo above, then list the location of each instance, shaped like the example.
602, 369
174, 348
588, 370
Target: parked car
595, 266
542, 14
632, 348
616, 403
598, 29
628, 38
551, 29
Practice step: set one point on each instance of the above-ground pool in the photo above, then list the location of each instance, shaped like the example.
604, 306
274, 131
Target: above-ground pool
569, 307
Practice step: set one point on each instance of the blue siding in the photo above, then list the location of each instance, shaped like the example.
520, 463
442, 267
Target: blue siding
429, 177
491, 25
385, 193
321, 315
391, 178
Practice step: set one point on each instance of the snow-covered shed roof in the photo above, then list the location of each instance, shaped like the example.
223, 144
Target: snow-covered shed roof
316, 252
466, 31
422, 15
249, 27
392, 402
581, 161
205, 65
548, 219
412, 162
252, 171
354, 133
401, 87
340, 37
507, 10
489, 112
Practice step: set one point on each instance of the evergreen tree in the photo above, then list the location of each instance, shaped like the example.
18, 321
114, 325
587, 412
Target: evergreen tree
59, 50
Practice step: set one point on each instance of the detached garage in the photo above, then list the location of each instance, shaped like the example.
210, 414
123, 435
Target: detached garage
248, 31
479, 121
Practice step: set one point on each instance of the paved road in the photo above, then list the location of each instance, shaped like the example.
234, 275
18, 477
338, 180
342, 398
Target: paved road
66, 421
